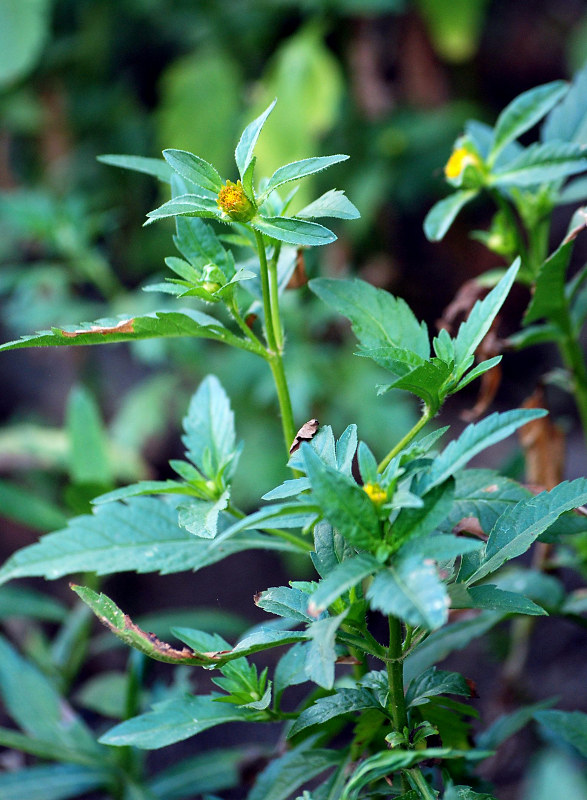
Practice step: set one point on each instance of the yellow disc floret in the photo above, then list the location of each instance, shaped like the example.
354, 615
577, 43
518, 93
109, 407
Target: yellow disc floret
460, 159
375, 493
233, 201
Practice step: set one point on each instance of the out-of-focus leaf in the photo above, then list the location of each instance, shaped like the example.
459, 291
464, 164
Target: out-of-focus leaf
443, 213
53, 782
149, 166
23, 30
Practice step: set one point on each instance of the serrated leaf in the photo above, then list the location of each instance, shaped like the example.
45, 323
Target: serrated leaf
426, 382
333, 203
345, 701
418, 522
473, 330
570, 726
342, 578
549, 300
199, 244
201, 517
542, 163
434, 682
442, 214
88, 454
141, 535
490, 596
149, 166
285, 601
142, 488
411, 590
518, 527
476, 438
187, 205
255, 642
173, 721
293, 231
194, 169
299, 169
210, 437
477, 371
321, 652
246, 145
150, 326
523, 112
346, 506
441, 547
378, 318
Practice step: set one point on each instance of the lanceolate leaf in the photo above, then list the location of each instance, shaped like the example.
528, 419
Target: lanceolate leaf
568, 121
346, 506
299, 169
417, 522
473, 330
518, 527
321, 654
571, 726
343, 702
525, 111
175, 720
194, 169
53, 782
333, 203
210, 437
151, 326
244, 149
378, 318
293, 231
548, 300
476, 438
189, 205
542, 163
141, 535
292, 770
442, 215
150, 166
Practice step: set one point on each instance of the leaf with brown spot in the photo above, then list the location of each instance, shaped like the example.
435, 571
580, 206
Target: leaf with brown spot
305, 434
124, 326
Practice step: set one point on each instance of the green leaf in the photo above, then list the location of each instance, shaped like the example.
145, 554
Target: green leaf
442, 214
345, 701
411, 590
194, 169
346, 506
246, 145
473, 330
197, 241
553, 773
378, 318
285, 601
212, 771
542, 163
46, 749
105, 694
434, 682
299, 169
568, 121
149, 166
29, 509
570, 726
490, 596
175, 720
518, 527
549, 300
426, 382
142, 488
333, 203
342, 578
151, 326
24, 28
88, 459
141, 535
54, 782
419, 522
321, 653
465, 793
210, 437
509, 724
442, 643
476, 372
296, 768
534, 334
525, 111
45, 715
188, 205
441, 547
293, 231
20, 602
476, 438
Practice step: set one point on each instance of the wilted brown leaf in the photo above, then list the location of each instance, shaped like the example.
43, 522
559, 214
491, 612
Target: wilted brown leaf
544, 446
124, 326
305, 434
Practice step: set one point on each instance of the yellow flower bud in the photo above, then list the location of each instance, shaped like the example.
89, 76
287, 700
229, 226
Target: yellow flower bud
459, 160
233, 201
375, 493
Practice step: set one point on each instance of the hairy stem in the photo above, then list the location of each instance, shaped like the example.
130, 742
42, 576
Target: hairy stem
267, 312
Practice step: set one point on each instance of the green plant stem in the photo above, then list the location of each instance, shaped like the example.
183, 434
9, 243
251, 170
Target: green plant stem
267, 312
246, 330
287, 423
426, 416
395, 677
274, 297
421, 784
507, 210
573, 359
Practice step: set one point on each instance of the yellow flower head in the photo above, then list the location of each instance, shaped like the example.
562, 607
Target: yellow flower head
375, 493
460, 159
234, 202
